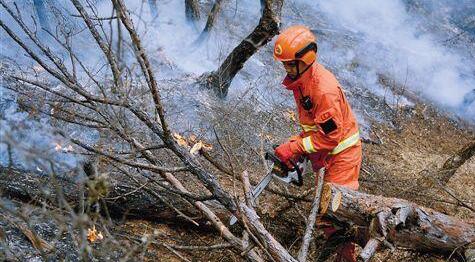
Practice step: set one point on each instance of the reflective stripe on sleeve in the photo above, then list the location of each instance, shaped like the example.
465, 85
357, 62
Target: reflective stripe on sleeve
308, 128
346, 143
308, 145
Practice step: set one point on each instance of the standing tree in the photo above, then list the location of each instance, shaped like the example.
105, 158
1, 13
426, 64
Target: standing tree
153, 8
213, 13
192, 11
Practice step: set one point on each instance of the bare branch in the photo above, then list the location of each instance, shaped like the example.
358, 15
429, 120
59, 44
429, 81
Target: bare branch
369, 250
143, 62
247, 189
104, 47
307, 238
127, 162
277, 251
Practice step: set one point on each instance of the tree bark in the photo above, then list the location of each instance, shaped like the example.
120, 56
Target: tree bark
37, 188
398, 221
210, 22
192, 11
268, 27
454, 162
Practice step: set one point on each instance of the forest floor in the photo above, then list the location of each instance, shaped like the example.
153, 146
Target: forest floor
395, 165
398, 159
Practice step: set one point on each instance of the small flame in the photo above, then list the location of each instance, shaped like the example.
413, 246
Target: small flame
94, 235
59, 148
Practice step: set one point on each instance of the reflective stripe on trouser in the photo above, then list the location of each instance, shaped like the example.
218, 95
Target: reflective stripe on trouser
346, 143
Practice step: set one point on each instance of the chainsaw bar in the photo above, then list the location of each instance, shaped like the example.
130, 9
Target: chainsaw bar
256, 192
292, 177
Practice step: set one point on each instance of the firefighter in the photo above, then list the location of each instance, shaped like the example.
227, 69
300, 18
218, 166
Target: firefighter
330, 136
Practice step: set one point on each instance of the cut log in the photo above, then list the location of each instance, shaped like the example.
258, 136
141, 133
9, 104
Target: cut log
403, 223
32, 187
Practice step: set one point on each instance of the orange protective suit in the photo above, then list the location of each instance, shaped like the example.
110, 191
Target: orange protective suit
330, 134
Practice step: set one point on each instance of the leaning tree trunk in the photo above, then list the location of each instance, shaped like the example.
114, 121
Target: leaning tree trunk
268, 27
454, 162
397, 222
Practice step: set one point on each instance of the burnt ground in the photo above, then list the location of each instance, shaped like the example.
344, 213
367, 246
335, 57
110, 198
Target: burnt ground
396, 163
398, 156
393, 166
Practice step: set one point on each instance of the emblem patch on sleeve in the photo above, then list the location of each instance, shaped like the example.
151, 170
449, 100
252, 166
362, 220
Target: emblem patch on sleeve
328, 126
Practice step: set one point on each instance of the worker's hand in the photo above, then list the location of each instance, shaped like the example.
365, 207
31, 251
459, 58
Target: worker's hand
285, 154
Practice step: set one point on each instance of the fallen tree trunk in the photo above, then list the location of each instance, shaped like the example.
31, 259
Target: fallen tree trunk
397, 221
122, 200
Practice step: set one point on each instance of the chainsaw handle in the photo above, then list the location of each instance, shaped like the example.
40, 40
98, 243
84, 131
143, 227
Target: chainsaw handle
299, 175
270, 156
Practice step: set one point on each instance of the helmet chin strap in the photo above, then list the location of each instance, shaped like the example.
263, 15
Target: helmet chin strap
297, 76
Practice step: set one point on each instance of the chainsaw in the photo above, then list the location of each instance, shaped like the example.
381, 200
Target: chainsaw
281, 172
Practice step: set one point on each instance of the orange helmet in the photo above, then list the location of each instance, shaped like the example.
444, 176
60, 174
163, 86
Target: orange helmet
296, 43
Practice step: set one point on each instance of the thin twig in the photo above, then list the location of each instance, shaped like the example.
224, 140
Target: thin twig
307, 238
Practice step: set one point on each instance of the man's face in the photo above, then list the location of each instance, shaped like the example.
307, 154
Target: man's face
291, 67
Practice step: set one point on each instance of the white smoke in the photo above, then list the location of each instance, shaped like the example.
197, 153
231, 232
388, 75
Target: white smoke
394, 44
389, 40
30, 142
